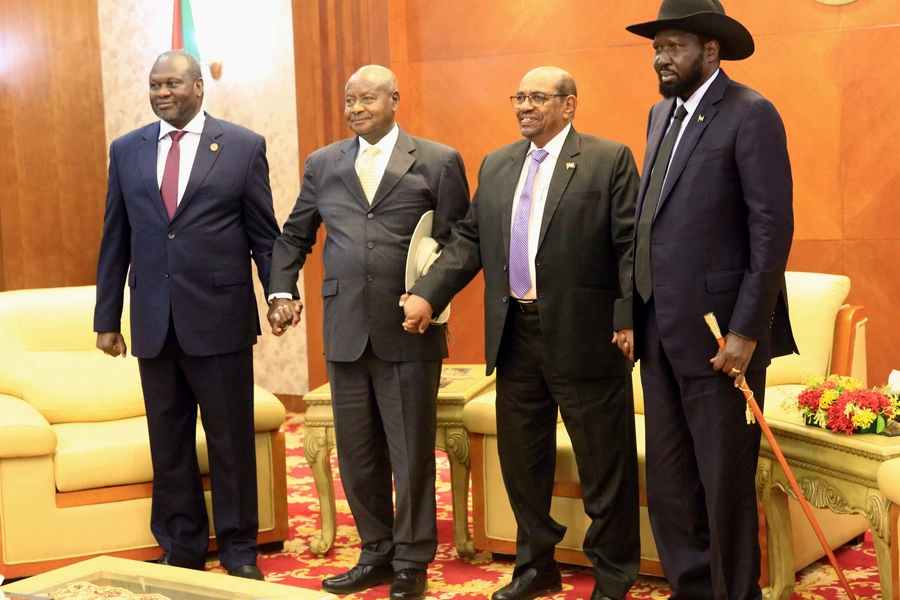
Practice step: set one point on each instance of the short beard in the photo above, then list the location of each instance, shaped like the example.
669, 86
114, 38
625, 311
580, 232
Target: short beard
682, 86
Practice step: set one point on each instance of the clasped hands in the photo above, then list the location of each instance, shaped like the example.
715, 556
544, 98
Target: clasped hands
283, 313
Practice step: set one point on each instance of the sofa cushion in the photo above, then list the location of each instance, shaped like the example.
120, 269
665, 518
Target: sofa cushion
101, 454
23, 431
81, 386
889, 479
814, 300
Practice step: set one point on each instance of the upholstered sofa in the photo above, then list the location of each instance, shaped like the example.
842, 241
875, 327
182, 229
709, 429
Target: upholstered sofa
75, 471
831, 337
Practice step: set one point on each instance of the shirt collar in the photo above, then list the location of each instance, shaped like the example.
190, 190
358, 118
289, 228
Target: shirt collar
554, 146
385, 144
195, 126
691, 104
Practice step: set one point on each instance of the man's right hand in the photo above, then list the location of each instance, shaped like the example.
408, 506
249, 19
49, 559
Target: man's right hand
112, 343
284, 313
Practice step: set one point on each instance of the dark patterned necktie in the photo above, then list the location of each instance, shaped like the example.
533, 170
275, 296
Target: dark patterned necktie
642, 281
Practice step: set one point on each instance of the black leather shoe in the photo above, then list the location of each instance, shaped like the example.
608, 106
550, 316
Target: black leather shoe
358, 579
409, 584
530, 584
598, 595
247, 572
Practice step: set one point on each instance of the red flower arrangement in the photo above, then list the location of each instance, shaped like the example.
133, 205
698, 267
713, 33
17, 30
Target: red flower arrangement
842, 405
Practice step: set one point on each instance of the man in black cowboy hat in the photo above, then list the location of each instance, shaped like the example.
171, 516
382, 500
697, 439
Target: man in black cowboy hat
713, 231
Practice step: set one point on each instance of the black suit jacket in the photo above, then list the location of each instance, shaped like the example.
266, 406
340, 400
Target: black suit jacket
198, 264
722, 233
366, 247
584, 258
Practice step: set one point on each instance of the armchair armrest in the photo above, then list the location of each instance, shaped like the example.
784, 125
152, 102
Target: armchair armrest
23, 430
850, 320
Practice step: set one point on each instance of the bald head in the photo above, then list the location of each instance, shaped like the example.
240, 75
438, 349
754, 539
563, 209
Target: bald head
381, 77
370, 100
540, 124
560, 80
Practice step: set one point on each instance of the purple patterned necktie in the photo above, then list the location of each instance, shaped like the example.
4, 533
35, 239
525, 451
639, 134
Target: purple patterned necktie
519, 267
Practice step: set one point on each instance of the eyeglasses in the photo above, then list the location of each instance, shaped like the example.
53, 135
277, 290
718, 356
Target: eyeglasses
536, 98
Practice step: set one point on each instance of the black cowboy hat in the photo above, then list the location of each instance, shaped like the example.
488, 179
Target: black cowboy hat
703, 17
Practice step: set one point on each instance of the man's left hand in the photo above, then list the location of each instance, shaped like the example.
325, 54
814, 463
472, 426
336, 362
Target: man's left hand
624, 338
734, 358
418, 313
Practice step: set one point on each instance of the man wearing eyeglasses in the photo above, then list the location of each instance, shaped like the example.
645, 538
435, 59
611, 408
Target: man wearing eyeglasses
370, 191
551, 224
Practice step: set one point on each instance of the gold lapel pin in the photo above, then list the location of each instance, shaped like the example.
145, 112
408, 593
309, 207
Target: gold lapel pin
570, 166
214, 146
700, 119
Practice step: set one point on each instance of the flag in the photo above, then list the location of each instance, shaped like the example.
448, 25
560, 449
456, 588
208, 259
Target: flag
183, 36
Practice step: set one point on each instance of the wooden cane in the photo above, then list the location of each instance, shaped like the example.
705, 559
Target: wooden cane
754, 406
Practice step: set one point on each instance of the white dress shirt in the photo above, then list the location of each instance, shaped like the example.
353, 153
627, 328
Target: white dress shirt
189, 143
386, 145
538, 199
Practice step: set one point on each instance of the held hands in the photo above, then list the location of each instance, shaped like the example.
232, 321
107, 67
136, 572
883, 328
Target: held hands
418, 313
283, 313
734, 358
112, 343
624, 338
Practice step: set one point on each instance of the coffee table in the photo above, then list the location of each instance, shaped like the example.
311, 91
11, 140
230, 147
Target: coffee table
835, 471
150, 578
459, 384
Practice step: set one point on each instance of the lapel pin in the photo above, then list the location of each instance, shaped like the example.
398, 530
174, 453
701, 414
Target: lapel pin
570, 166
214, 146
700, 119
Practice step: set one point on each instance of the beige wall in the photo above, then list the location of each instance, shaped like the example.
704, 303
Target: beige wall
256, 90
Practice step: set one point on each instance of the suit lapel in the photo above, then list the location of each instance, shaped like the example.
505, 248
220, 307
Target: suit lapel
347, 168
559, 181
203, 161
400, 162
147, 153
508, 189
692, 133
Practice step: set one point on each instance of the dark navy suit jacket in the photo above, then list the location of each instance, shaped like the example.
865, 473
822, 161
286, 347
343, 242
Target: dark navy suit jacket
198, 264
722, 233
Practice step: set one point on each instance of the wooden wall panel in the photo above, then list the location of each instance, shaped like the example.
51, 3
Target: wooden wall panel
821, 66
332, 39
53, 172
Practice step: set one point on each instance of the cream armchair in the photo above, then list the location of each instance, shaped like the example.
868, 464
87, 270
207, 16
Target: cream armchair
75, 471
831, 337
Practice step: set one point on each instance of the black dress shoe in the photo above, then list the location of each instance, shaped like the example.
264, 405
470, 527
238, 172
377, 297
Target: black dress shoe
409, 584
358, 579
530, 584
247, 572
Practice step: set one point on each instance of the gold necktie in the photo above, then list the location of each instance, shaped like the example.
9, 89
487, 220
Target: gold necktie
367, 176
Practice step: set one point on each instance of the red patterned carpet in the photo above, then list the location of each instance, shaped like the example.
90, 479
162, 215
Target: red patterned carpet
451, 577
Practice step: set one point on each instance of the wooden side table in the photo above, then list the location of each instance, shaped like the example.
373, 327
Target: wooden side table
835, 471
459, 384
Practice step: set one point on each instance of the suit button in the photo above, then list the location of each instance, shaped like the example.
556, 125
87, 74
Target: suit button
370, 278
370, 216
504, 267
506, 298
370, 245
171, 236
167, 275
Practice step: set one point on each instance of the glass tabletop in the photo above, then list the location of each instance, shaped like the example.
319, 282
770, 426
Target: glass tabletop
146, 579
